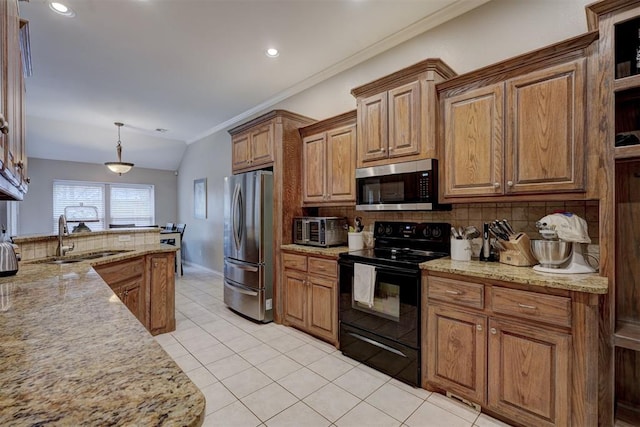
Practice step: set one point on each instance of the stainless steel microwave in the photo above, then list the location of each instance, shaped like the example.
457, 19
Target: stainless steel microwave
407, 186
320, 231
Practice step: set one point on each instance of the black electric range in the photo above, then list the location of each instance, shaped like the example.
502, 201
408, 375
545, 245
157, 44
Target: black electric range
385, 334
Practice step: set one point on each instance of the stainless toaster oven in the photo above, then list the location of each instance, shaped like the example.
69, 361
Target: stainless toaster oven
320, 231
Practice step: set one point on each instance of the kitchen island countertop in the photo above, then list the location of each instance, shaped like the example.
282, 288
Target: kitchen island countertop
590, 283
72, 354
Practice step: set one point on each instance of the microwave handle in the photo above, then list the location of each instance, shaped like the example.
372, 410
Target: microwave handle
305, 230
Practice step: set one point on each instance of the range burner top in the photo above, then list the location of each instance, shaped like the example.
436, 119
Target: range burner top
405, 244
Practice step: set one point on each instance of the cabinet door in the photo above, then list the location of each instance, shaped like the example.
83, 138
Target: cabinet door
546, 130
295, 298
473, 142
133, 298
341, 164
323, 312
262, 145
240, 151
457, 352
161, 275
529, 373
314, 168
12, 108
404, 120
372, 129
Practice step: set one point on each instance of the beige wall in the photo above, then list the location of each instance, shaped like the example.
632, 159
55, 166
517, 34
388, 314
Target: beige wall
36, 210
493, 32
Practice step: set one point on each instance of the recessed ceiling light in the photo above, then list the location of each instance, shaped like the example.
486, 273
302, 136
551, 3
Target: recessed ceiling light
272, 52
62, 9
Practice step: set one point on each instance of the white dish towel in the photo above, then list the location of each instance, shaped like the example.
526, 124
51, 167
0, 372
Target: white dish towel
364, 282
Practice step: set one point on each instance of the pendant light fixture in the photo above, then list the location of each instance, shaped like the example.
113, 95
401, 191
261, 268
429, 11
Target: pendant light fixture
119, 167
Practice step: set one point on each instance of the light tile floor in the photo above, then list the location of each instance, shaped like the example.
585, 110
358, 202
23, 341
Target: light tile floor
272, 375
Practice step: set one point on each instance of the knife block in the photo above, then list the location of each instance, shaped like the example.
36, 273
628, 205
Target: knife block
518, 251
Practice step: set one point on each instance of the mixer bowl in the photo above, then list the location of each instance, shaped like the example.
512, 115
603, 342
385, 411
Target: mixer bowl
551, 253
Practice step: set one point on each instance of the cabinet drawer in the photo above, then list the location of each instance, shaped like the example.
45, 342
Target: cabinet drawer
326, 267
455, 291
294, 261
532, 305
117, 272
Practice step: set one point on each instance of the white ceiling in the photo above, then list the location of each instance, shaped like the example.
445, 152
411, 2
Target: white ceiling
191, 66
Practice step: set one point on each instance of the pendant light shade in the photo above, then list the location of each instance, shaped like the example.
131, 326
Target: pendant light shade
119, 167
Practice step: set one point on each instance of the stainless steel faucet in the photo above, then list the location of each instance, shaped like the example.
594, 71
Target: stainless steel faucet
63, 231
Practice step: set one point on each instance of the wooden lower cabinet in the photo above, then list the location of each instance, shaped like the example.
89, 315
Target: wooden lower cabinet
510, 351
160, 270
146, 285
310, 295
529, 373
457, 351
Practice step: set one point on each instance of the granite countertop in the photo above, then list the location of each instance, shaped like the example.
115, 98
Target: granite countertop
333, 251
40, 237
591, 283
72, 354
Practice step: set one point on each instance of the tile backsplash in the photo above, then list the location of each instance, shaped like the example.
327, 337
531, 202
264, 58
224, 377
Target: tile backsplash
522, 216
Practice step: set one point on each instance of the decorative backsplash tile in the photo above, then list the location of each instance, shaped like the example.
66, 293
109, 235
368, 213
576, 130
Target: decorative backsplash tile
522, 216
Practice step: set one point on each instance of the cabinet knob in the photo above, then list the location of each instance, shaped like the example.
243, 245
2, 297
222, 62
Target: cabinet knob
510, 183
494, 331
479, 327
390, 149
382, 150
496, 185
20, 164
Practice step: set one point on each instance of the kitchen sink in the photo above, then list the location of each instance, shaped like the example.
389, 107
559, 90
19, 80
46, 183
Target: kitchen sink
61, 261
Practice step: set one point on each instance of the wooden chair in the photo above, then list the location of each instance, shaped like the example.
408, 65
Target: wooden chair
170, 226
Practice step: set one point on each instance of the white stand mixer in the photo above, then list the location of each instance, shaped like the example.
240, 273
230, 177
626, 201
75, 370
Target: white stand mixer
559, 227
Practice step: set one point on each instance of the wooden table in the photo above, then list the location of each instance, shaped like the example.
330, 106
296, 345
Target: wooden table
175, 236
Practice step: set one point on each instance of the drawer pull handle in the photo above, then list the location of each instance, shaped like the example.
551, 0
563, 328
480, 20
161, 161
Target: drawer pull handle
530, 307
494, 331
448, 291
479, 327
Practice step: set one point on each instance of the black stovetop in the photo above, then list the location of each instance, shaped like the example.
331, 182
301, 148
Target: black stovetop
405, 244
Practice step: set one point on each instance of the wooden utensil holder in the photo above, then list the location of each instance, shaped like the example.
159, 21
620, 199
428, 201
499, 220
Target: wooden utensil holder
518, 251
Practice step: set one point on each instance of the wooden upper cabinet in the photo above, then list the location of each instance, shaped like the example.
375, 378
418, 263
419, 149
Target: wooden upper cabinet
253, 149
13, 177
314, 165
240, 151
546, 129
404, 120
473, 142
397, 115
372, 127
329, 161
516, 129
262, 145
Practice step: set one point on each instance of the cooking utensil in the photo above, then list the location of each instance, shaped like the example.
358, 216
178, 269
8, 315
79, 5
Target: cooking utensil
357, 224
455, 233
471, 232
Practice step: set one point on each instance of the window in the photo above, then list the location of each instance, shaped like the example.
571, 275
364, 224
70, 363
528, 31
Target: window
116, 203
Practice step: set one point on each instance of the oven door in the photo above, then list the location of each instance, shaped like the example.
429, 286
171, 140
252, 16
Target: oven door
395, 313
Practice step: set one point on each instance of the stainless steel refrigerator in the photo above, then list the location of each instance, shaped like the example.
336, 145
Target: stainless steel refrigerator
248, 244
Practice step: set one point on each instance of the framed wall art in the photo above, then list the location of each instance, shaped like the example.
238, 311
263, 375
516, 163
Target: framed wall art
200, 198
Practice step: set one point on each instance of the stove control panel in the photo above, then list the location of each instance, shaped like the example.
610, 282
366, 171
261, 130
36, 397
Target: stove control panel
431, 231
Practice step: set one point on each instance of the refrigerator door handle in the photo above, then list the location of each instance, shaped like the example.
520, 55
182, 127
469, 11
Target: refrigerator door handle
240, 266
237, 214
242, 290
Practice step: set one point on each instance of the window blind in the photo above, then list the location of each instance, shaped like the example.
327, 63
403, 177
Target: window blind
71, 193
131, 205
115, 203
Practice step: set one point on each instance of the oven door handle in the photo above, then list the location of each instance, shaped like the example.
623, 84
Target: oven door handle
377, 344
